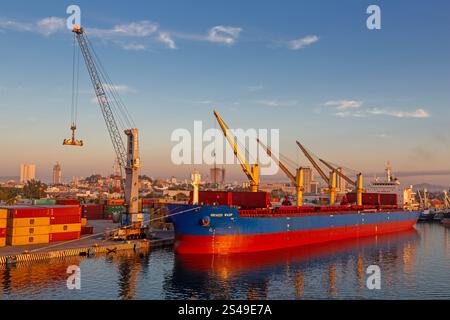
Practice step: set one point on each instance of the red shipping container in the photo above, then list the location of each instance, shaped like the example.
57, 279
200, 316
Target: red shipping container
65, 210
2, 233
17, 212
214, 197
71, 219
388, 199
64, 236
87, 230
251, 199
67, 202
92, 211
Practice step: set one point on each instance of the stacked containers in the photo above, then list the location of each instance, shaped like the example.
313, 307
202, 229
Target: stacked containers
68, 202
92, 211
27, 225
3, 217
111, 210
65, 223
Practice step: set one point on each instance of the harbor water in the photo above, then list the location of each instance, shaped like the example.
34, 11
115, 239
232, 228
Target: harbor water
412, 265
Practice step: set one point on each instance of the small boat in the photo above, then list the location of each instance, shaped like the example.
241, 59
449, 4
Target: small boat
426, 215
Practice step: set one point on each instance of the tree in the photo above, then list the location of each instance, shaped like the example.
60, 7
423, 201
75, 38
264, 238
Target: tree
34, 189
8, 195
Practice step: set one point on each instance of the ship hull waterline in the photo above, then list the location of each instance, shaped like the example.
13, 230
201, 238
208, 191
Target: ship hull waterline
221, 230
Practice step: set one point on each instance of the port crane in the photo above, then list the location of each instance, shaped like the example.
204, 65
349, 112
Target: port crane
127, 155
358, 184
251, 171
297, 179
330, 181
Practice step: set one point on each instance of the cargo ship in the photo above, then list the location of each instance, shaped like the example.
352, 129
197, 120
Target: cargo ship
245, 222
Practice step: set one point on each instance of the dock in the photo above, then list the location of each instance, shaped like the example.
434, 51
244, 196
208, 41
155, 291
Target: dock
87, 246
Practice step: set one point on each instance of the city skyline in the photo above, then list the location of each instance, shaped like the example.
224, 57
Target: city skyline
356, 97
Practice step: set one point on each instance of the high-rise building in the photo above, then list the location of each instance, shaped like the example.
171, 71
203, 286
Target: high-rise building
341, 183
217, 175
27, 172
308, 179
57, 174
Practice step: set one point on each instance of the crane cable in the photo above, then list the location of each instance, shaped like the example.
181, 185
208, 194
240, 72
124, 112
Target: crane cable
75, 83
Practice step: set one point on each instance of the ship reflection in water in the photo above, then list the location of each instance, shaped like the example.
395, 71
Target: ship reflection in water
414, 264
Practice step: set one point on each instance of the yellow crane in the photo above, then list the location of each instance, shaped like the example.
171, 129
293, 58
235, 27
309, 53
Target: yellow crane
358, 184
331, 180
251, 171
297, 179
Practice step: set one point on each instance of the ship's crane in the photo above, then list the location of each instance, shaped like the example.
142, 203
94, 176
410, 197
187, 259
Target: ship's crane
251, 171
358, 184
330, 181
128, 156
297, 179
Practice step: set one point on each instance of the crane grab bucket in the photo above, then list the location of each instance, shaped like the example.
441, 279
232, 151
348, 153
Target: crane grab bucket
73, 142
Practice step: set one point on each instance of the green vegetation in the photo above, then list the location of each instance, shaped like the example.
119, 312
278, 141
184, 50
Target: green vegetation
34, 190
8, 195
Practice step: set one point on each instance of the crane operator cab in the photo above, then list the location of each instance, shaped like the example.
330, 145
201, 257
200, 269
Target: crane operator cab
73, 141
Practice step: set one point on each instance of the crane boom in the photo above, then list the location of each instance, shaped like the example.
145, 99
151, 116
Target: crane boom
102, 98
314, 163
252, 171
339, 173
128, 158
279, 163
297, 180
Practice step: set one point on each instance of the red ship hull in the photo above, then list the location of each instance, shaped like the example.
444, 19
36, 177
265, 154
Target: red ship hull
231, 244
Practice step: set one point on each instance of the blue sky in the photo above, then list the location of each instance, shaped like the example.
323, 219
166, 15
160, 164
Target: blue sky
309, 68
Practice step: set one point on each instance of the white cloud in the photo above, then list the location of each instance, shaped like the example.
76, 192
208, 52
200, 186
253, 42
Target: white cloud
223, 34
46, 26
51, 25
298, 44
418, 113
136, 29
344, 104
120, 88
348, 114
134, 47
165, 38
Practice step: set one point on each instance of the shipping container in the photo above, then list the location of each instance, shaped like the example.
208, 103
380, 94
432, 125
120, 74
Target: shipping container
116, 202
2, 242
43, 202
2, 232
87, 230
26, 240
65, 220
3, 223
67, 202
92, 211
214, 197
250, 200
83, 222
59, 228
388, 199
59, 210
28, 231
28, 222
64, 236
3, 213
17, 212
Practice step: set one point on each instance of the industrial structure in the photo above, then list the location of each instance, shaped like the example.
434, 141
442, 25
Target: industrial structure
127, 154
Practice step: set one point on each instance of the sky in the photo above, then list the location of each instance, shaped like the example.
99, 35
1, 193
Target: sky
311, 69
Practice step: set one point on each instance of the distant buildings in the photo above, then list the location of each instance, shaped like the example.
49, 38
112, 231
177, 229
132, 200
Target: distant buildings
308, 179
27, 172
217, 175
57, 174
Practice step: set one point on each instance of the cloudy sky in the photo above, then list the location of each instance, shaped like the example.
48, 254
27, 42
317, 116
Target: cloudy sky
312, 69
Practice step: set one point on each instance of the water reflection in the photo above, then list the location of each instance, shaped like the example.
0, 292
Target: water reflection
413, 265
230, 277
